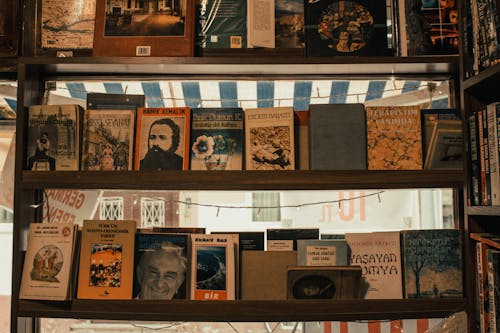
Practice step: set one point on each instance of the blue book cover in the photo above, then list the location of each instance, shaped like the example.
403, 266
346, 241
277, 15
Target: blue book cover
216, 139
432, 263
161, 266
326, 252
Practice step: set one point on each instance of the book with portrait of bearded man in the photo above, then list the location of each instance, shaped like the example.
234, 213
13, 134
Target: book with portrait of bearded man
162, 139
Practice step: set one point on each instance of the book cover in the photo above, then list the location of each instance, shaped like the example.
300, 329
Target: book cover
105, 101
261, 23
53, 141
67, 25
216, 139
106, 268
428, 27
337, 137
264, 274
394, 137
222, 23
162, 139
213, 271
379, 255
47, 271
339, 282
446, 147
108, 140
248, 240
322, 252
347, 28
301, 138
161, 266
182, 230
286, 239
269, 139
157, 29
289, 24
429, 118
432, 263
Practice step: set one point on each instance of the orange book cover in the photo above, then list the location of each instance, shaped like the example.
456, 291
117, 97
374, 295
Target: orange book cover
106, 268
162, 139
394, 137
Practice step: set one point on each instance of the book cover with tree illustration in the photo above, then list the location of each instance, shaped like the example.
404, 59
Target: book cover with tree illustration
216, 139
394, 137
432, 263
108, 140
269, 139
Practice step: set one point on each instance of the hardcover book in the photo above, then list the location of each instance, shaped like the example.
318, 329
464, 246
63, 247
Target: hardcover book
162, 139
289, 24
347, 28
286, 239
337, 137
161, 266
155, 29
213, 271
108, 140
432, 263
47, 272
67, 25
53, 141
264, 274
474, 163
322, 252
216, 139
446, 147
429, 118
394, 137
106, 268
493, 120
269, 139
379, 255
339, 282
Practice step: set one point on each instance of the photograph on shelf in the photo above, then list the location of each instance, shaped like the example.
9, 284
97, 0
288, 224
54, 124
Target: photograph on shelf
144, 28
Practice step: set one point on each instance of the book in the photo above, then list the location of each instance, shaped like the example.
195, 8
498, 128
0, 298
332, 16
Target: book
48, 264
334, 28
428, 27
264, 274
322, 252
474, 165
216, 139
484, 156
108, 140
429, 118
492, 119
269, 139
446, 147
213, 268
261, 23
53, 139
286, 239
482, 286
394, 138
106, 267
105, 101
289, 24
337, 137
379, 255
248, 240
67, 25
156, 29
162, 139
334, 282
432, 263
222, 24
182, 230
161, 266
301, 139
493, 259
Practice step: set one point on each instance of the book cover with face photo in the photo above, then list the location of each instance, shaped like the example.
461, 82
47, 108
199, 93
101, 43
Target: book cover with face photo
162, 139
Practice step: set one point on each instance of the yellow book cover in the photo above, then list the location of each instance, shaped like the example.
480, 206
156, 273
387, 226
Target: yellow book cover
106, 267
394, 137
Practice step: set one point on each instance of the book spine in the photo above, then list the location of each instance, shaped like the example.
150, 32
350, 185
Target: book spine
486, 156
475, 168
482, 286
491, 291
484, 197
493, 154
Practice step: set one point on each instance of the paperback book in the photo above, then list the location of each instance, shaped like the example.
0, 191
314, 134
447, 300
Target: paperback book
446, 147
286, 239
289, 24
216, 139
162, 139
105, 101
53, 141
322, 252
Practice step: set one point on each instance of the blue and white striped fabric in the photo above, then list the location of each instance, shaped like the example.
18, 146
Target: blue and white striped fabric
251, 94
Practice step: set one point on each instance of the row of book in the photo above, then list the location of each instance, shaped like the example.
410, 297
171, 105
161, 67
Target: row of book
487, 273
113, 260
321, 27
116, 132
484, 150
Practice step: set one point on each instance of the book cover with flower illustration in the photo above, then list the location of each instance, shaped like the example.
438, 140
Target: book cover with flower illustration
216, 139
356, 27
394, 137
269, 139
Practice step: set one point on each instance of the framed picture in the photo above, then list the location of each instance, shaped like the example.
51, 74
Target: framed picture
144, 28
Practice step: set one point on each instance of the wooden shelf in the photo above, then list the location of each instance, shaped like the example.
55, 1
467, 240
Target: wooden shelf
243, 311
484, 85
244, 180
248, 66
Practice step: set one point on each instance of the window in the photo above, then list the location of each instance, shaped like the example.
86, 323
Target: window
152, 213
111, 208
